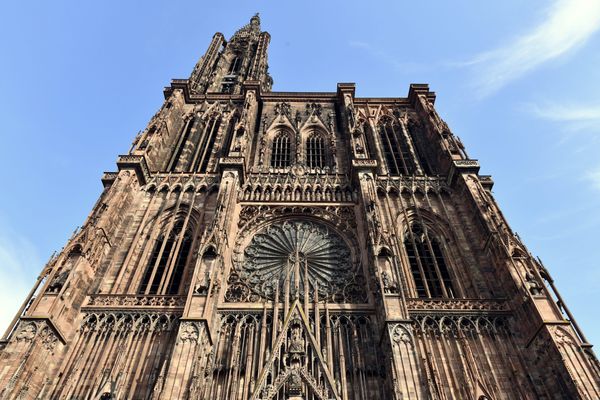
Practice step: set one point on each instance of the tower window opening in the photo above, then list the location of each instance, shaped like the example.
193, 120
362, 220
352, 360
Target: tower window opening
167, 262
235, 66
427, 264
205, 146
315, 152
280, 155
175, 161
397, 155
227, 87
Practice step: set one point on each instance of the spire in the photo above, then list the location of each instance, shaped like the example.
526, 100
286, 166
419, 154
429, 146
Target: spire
226, 65
250, 29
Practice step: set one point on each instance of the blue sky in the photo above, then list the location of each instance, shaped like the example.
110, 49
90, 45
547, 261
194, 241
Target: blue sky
518, 82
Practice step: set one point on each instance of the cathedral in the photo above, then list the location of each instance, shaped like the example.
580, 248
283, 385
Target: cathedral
258, 245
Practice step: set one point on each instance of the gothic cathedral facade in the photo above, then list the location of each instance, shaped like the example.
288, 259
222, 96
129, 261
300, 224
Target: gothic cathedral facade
273, 245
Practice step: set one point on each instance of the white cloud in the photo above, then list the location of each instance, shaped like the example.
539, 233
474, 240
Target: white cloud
594, 178
568, 24
566, 112
570, 119
377, 53
18, 261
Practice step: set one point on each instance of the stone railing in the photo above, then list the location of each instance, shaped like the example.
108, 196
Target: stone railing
182, 181
124, 301
459, 306
412, 184
278, 187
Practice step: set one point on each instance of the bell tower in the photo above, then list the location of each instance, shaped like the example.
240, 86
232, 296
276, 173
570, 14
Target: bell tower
227, 64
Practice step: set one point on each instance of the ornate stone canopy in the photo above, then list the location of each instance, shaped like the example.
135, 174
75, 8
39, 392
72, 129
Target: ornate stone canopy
302, 254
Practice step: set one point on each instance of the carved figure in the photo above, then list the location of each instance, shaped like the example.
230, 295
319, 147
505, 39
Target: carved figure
532, 284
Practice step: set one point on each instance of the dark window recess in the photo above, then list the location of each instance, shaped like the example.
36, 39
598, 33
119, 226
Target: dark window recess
161, 276
417, 138
174, 163
235, 66
227, 87
182, 256
315, 152
205, 147
397, 155
427, 264
229, 137
280, 155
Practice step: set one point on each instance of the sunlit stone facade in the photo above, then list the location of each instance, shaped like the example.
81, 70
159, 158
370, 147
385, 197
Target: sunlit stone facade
273, 245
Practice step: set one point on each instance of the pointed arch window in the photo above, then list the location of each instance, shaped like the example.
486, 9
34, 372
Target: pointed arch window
235, 65
427, 264
396, 152
167, 262
315, 151
281, 151
205, 146
175, 161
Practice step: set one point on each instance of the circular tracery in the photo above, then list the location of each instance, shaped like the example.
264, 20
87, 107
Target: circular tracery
295, 255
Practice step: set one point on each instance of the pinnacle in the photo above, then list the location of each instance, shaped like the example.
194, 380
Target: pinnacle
251, 28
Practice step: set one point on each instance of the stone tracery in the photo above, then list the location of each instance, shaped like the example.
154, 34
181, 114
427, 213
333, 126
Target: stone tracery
328, 229
306, 256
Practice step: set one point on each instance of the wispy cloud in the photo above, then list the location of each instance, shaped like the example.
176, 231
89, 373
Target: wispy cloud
567, 25
18, 260
571, 119
565, 112
404, 66
593, 177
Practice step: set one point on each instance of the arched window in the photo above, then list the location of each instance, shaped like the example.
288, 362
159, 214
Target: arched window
281, 152
427, 264
205, 147
235, 66
167, 262
397, 155
175, 159
315, 151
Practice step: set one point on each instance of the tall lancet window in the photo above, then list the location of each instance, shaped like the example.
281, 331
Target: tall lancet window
397, 155
315, 151
281, 152
427, 263
235, 66
167, 262
205, 147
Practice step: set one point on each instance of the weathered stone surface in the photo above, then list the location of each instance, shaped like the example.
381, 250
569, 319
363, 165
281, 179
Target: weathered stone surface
259, 245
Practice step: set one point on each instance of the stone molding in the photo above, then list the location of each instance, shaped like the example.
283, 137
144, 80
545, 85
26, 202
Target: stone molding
126, 301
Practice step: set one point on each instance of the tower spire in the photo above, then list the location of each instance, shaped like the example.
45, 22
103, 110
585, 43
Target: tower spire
226, 65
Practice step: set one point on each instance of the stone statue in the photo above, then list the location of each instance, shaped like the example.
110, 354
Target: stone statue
532, 284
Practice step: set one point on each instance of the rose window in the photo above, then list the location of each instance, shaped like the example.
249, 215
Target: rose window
296, 256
